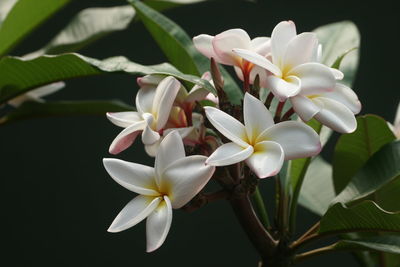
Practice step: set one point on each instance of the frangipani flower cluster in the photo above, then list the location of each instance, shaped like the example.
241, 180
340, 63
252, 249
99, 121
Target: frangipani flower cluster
291, 71
169, 116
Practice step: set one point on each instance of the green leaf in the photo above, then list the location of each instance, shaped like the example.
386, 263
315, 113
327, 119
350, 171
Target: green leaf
382, 168
23, 18
86, 27
385, 243
353, 150
20, 75
388, 196
366, 216
317, 191
31, 110
336, 39
178, 47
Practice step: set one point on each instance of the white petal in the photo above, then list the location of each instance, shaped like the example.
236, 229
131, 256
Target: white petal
261, 45
280, 37
134, 212
134, 177
228, 154
300, 49
152, 149
150, 80
163, 99
346, 96
144, 99
397, 122
335, 115
227, 125
304, 107
267, 159
184, 178
46, 90
258, 60
297, 139
257, 117
171, 149
149, 136
199, 93
315, 78
203, 44
124, 119
283, 89
158, 224
126, 138
337, 73
224, 42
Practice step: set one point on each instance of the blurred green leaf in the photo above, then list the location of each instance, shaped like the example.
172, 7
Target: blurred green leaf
385, 243
31, 110
23, 18
317, 191
86, 27
336, 39
365, 216
178, 47
5, 7
382, 168
19, 75
353, 150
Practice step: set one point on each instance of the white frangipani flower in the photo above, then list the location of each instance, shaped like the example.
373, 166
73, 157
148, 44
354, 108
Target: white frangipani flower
292, 65
153, 109
173, 182
220, 48
261, 143
36, 94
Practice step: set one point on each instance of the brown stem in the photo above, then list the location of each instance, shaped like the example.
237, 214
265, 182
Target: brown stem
246, 81
269, 99
259, 237
278, 112
303, 256
287, 114
306, 234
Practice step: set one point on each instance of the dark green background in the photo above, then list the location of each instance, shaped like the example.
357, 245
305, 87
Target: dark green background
56, 198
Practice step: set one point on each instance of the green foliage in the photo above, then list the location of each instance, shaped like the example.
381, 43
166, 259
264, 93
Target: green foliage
378, 171
365, 216
87, 26
386, 243
32, 110
353, 150
19, 75
337, 40
23, 18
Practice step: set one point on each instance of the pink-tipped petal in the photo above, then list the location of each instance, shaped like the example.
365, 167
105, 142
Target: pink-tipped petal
266, 160
126, 138
228, 154
158, 224
230, 127
134, 212
134, 177
203, 44
280, 37
224, 42
124, 119
335, 115
257, 117
304, 107
183, 179
297, 139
